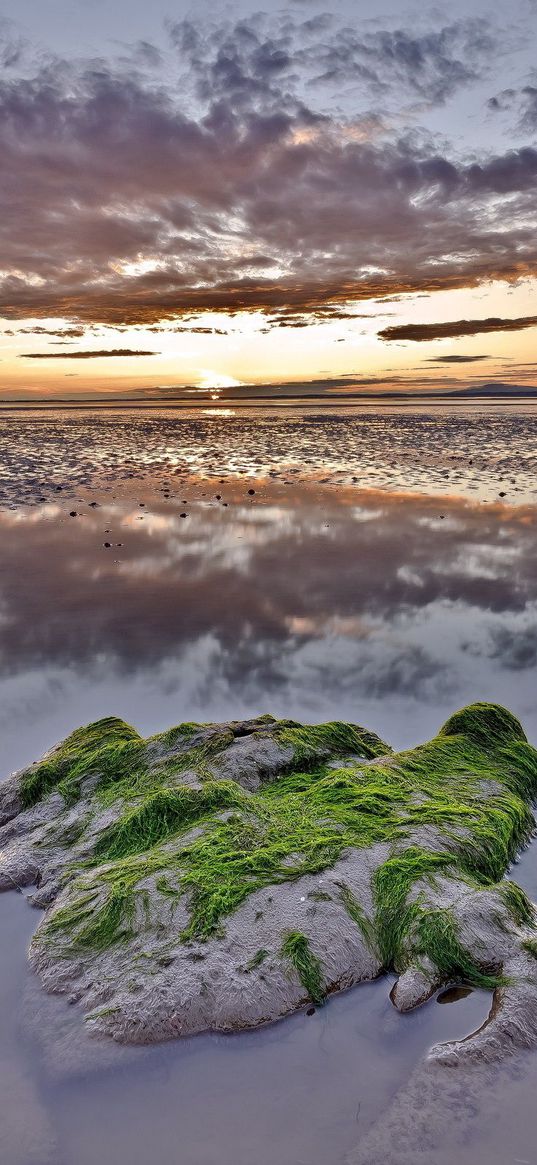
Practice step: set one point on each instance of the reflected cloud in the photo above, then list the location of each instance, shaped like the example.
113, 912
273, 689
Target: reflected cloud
368, 600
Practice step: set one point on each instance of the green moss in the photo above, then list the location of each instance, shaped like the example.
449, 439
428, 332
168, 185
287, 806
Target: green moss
438, 940
359, 916
97, 927
165, 887
302, 822
296, 949
163, 813
295, 826
313, 743
530, 945
109, 747
392, 883
487, 724
256, 959
153, 775
181, 731
520, 909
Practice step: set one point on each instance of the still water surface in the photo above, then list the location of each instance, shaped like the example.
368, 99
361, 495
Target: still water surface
384, 572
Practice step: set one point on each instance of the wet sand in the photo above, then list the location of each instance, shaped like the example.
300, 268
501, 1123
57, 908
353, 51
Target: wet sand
474, 450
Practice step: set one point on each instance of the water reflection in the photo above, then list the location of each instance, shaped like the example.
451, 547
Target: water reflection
382, 607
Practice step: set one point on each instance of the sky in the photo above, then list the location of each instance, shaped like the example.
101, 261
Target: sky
194, 199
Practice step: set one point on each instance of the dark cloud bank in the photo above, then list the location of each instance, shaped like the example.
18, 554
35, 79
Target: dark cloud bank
89, 355
454, 328
131, 192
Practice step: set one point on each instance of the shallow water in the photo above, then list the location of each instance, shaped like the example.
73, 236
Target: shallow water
375, 575
384, 607
302, 1090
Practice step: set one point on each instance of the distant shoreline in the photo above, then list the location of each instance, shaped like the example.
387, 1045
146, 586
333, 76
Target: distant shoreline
462, 397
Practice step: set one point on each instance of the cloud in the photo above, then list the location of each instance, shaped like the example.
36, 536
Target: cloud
523, 101
134, 198
432, 65
257, 58
12, 45
528, 116
65, 333
515, 650
89, 355
423, 332
455, 359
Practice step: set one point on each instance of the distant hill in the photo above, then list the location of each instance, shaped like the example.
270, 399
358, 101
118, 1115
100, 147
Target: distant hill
494, 388
247, 394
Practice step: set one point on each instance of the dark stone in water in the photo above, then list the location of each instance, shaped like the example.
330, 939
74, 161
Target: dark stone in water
453, 994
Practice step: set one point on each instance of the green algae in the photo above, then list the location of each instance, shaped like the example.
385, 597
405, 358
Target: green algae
394, 914
257, 959
296, 949
467, 793
108, 747
486, 724
520, 909
438, 939
96, 928
164, 813
356, 911
310, 743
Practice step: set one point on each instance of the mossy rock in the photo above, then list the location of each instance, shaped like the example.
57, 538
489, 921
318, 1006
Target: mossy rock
221, 875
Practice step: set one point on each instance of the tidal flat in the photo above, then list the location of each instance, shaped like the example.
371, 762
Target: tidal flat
164, 568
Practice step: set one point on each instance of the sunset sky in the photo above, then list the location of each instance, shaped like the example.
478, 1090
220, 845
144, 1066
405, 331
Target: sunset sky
209, 196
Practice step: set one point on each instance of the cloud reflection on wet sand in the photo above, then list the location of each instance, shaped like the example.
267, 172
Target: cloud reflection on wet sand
389, 608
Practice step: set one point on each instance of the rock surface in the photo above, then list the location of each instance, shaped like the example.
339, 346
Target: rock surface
216, 877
